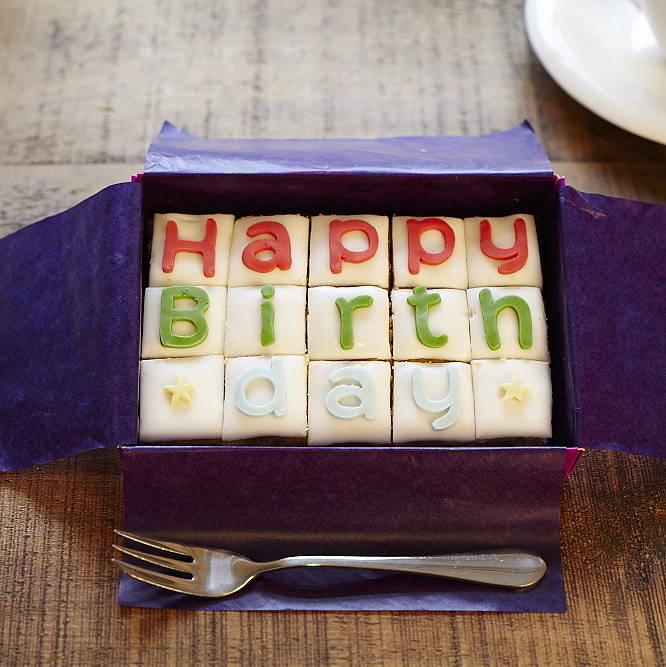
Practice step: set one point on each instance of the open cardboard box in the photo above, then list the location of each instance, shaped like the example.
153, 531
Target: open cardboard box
69, 366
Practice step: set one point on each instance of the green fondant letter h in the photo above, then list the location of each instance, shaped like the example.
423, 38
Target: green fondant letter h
491, 309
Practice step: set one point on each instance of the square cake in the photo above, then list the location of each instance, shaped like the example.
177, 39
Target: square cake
313, 336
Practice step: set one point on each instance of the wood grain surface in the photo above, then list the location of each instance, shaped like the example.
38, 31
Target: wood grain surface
83, 87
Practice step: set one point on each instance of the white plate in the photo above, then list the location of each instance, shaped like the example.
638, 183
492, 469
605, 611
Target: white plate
603, 53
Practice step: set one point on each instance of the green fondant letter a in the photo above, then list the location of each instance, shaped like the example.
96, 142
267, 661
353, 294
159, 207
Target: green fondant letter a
170, 314
491, 309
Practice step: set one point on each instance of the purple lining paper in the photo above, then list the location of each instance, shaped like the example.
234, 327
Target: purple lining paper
69, 365
612, 259
272, 502
424, 175
514, 151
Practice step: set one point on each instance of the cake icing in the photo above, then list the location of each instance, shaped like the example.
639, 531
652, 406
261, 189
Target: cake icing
185, 321
349, 250
181, 399
429, 251
503, 251
432, 402
443, 329
271, 250
190, 249
314, 348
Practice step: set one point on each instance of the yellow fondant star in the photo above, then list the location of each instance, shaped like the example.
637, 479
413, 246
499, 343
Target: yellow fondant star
179, 392
514, 390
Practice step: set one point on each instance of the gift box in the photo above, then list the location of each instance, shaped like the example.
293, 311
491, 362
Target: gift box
69, 367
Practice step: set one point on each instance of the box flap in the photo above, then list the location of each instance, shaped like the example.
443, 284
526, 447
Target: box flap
613, 263
69, 359
270, 502
502, 172
514, 151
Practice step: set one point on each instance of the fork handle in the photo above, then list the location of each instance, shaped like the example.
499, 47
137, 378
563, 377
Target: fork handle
515, 569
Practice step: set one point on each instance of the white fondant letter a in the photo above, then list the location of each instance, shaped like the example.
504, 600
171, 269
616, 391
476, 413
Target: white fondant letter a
363, 393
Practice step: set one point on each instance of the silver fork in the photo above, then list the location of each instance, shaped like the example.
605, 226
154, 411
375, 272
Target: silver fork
217, 572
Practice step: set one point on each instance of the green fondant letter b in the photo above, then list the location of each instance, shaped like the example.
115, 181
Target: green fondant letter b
195, 316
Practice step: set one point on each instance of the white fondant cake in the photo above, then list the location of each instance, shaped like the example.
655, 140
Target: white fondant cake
507, 323
512, 398
181, 399
520, 266
349, 402
335, 252
429, 266
246, 336
449, 317
339, 331
265, 396
211, 321
269, 250
336, 312
432, 402
197, 252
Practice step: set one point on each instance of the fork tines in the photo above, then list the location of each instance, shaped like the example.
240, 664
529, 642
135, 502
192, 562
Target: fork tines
172, 583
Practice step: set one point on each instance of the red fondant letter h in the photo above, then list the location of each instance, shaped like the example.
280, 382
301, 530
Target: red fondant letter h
206, 247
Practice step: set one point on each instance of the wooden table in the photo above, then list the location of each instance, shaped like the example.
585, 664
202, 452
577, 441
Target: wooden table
84, 87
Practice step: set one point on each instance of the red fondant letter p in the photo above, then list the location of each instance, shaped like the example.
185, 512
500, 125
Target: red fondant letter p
417, 253
339, 253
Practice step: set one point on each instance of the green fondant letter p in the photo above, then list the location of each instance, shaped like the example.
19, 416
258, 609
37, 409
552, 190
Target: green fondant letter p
195, 316
491, 309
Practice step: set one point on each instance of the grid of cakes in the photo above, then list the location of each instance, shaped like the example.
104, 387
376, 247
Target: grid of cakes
285, 326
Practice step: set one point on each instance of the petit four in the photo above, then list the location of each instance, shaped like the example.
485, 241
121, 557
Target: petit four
183, 321
349, 402
265, 396
429, 251
507, 323
348, 323
181, 399
430, 324
271, 250
265, 320
190, 249
512, 398
312, 347
503, 251
349, 250
432, 402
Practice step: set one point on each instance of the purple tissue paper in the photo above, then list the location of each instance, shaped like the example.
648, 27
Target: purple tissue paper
612, 259
267, 503
503, 171
69, 360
